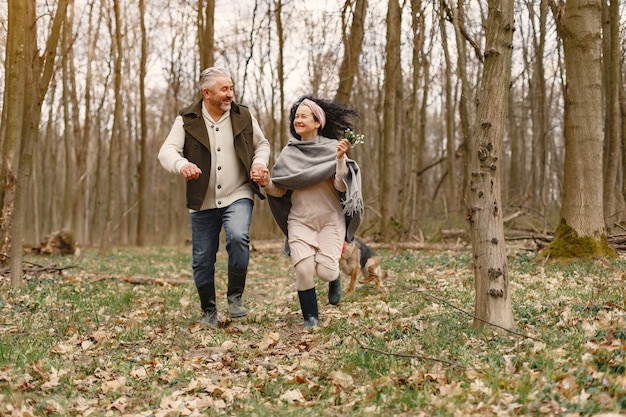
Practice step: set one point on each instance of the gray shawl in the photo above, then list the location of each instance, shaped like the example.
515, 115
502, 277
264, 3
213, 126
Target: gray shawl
302, 164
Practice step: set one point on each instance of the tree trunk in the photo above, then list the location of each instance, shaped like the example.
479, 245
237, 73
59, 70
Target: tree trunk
206, 33
391, 152
142, 190
417, 26
116, 137
281, 74
613, 202
538, 106
483, 195
37, 73
465, 99
352, 45
581, 232
19, 44
451, 195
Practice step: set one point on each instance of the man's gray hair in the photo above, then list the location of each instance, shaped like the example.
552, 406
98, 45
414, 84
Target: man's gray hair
208, 76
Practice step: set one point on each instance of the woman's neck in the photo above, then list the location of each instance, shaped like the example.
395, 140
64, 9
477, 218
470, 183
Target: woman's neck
309, 137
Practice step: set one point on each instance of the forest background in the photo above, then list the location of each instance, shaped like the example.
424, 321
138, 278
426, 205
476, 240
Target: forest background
122, 69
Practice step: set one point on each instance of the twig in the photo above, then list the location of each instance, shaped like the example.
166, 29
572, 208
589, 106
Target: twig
38, 269
144, 280
408, 355
473, 316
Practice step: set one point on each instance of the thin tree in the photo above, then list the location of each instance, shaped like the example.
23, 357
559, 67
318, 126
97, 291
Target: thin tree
114, 149
391, 151
278, 16
581, 232
448, 87
417, 53
485, 162
143, 131
613, 199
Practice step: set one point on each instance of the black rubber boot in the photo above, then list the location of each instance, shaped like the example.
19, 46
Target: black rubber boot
236, 285
207, 303
308, 304
334, 291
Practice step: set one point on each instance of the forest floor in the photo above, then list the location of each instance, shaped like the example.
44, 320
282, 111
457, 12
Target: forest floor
118, 335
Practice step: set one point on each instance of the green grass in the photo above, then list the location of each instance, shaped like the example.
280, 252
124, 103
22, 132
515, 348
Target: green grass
88, 341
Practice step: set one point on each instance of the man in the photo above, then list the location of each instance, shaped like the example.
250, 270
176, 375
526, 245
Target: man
217, 145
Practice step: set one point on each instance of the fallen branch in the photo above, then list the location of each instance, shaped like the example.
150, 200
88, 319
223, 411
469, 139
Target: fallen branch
38, 269
145, 280
471, 315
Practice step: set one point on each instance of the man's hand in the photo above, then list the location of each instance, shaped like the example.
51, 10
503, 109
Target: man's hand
190, 171
260, 175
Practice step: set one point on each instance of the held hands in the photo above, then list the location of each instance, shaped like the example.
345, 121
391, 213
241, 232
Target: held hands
260, 175
190, 171
342, 148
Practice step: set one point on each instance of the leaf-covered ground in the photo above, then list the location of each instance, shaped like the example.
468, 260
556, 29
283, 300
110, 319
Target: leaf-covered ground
118, 335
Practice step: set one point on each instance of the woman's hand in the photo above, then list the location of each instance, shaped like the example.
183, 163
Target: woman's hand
342, 148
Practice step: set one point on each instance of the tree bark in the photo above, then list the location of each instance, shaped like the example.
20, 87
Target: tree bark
581, 232
114, 150
19, 44
37, 73
352, 45
142, 190
451, 177
483, 195
206, 33
613, 200
391, 152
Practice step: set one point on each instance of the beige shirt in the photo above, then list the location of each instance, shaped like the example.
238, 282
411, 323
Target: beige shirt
316, 221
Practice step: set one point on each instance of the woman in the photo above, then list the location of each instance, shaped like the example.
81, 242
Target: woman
315, 197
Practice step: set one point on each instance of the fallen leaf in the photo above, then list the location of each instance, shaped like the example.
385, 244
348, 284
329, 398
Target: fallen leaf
293, 396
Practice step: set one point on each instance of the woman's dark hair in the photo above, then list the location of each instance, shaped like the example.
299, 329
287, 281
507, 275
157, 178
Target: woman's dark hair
338, 117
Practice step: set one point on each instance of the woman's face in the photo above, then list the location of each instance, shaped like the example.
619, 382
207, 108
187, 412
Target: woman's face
304, 123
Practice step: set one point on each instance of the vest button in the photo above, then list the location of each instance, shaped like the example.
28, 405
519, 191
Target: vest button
217, 129
219, 168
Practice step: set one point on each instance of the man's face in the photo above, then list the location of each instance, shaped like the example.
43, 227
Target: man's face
219, 98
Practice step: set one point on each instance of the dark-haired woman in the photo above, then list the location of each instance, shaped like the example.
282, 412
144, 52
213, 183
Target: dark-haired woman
315, 197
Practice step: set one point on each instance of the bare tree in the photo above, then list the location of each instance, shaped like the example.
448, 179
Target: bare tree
581, 232
32, 84
448, 87
389, 183
206, 32
115, 145
352, 44
483, 193
143, 131
613, 198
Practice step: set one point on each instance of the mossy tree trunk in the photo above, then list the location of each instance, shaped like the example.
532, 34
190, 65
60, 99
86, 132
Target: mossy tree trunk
581, 232
485, 162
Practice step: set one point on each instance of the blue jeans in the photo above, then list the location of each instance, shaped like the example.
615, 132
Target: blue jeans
206, 226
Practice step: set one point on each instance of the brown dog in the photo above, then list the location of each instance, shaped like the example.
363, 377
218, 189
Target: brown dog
358, 257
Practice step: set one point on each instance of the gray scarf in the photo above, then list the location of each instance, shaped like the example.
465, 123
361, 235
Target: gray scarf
302, 164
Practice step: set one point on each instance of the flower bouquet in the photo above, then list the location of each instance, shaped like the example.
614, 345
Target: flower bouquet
354, 138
